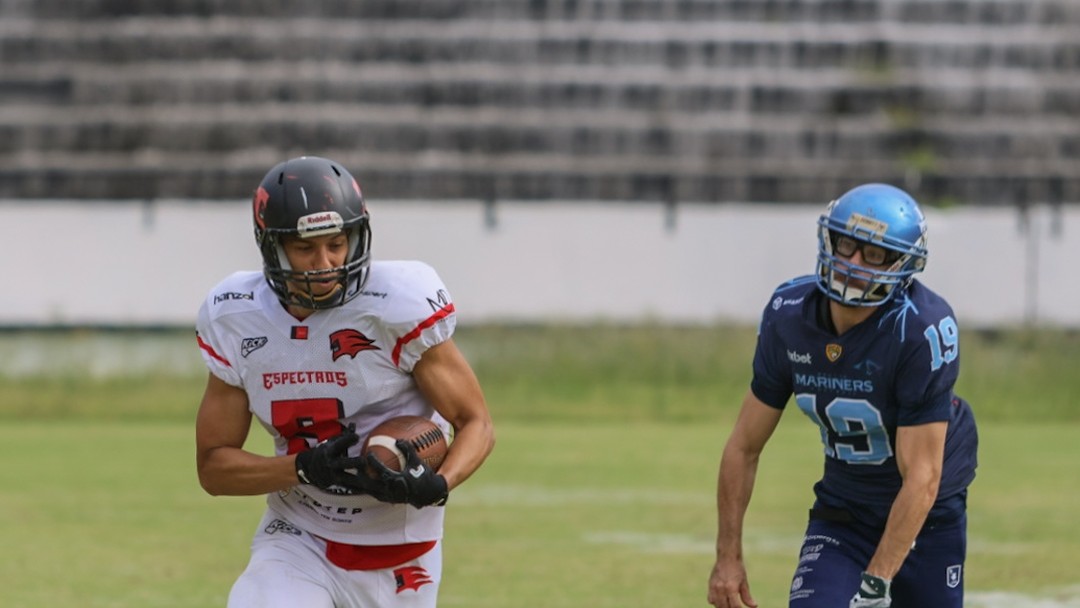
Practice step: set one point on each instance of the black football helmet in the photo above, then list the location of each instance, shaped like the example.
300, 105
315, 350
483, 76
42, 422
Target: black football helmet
311, 196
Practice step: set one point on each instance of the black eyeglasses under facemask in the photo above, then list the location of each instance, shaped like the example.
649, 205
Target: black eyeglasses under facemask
874, 255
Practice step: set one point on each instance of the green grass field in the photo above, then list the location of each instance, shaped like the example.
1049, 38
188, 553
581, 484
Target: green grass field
599, 492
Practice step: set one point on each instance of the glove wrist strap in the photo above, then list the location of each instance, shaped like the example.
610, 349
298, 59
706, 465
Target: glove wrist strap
875, 585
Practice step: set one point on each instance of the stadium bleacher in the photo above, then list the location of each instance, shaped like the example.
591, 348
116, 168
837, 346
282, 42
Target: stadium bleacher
964, 101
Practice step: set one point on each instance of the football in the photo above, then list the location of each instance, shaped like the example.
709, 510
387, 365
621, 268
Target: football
425, 436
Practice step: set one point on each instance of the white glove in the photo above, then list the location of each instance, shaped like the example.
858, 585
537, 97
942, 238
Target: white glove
873, 593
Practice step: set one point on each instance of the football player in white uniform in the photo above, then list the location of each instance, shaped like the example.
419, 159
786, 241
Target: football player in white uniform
320, 347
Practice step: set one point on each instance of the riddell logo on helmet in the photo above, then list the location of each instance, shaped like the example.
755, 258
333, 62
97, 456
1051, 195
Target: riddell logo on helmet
326, 222
859, 223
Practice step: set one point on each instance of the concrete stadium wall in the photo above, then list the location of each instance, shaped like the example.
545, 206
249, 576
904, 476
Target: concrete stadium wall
121, 264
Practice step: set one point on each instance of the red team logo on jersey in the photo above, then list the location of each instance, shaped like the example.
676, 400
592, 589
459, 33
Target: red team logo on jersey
349, 342
411, 577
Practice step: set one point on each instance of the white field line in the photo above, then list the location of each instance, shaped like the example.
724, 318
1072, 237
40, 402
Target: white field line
529, 495
1066, 597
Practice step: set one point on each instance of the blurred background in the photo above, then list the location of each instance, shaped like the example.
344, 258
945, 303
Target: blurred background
961, 101
611, 190
571, 159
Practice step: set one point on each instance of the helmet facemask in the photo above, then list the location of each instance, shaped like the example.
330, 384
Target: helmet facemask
875, 215
300, 288
857, 285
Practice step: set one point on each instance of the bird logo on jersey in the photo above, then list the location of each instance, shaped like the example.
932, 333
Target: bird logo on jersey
349, 342
411, 577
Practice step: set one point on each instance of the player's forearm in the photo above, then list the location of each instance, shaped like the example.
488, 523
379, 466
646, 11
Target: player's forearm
735, 484
473, 441
230, 471
906, 519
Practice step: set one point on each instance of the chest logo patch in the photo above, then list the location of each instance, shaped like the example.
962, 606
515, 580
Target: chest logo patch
833, 352
349, 342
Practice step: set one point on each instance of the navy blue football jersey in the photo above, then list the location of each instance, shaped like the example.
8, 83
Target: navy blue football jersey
897, 368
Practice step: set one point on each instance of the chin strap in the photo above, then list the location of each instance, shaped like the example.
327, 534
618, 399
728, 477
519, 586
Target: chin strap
840, 284
312, 301
328, 295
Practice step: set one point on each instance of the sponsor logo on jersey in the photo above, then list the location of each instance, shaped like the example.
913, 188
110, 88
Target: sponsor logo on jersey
374, 294
810, 553
833, 352
778, 302
795, 357
233, 295
349, 342
411, 577
834, 383
441, 301
272, 379
280, 525
250, 345
329, 512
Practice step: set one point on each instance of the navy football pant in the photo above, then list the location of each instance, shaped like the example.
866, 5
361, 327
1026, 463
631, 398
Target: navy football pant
834, 554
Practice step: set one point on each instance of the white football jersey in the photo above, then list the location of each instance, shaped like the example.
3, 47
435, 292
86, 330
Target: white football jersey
308, 380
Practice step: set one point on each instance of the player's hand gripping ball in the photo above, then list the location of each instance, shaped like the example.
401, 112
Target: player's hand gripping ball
422, 434
404, 455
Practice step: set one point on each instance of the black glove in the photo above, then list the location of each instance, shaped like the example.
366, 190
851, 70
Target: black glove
417, 485
874, 592
327, 465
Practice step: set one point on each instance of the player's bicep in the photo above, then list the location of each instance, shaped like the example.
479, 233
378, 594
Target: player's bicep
755, 425
223, 419
449, 384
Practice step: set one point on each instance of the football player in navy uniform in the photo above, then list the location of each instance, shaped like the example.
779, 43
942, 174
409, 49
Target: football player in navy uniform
319, 347
871, 356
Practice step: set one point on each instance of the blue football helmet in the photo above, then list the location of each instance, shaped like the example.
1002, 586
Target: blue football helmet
882, 222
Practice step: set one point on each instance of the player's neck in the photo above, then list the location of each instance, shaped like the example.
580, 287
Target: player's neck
299, 313
846, 317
